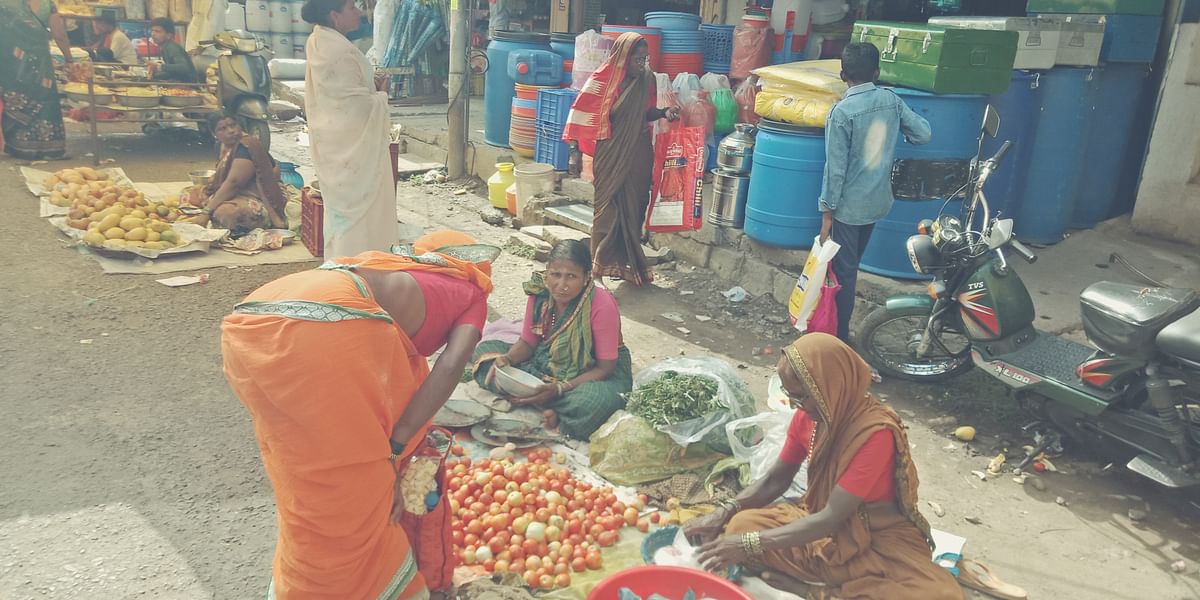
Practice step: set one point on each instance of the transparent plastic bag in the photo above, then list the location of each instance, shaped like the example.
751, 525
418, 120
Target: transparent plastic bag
712, 82
732, 393
627, 450
744, 97
758, 440
666, 99
591, 50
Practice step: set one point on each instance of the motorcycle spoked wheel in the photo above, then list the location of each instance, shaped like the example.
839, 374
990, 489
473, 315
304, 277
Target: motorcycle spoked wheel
889, 341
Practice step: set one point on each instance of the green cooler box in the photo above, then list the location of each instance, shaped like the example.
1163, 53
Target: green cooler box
1097, 7
943, 60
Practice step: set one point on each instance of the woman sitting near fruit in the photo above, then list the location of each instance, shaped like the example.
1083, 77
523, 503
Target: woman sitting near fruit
245, 193
857, 531
331, 365
571, 338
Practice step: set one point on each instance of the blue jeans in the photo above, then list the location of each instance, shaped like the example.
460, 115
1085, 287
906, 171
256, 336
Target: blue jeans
853, 240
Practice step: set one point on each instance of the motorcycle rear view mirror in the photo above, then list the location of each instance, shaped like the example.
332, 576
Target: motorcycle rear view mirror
991, 121
1000, 233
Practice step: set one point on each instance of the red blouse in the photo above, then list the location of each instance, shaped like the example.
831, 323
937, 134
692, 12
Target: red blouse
449, 302
870, 474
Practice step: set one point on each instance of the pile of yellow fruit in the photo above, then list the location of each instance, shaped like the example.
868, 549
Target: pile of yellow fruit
121, 227
91, 197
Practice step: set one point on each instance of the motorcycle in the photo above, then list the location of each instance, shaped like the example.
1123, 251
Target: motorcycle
1136, 395
243, 80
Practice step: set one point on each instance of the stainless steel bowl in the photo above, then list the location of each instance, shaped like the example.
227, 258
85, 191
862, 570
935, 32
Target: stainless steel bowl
182, 101
202, 177
137, 101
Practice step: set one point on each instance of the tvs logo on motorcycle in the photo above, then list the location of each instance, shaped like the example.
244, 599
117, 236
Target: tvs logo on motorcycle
975, 312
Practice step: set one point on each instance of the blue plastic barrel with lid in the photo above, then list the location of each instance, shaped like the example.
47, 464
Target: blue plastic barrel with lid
923, 177
1056, 161
563, 44
785, 182
1018, 110
1110, 154
498, 86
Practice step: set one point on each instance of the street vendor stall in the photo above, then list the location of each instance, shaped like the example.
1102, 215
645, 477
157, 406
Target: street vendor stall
125, 96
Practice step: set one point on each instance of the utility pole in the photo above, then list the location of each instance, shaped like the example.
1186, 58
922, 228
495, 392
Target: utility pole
460, 100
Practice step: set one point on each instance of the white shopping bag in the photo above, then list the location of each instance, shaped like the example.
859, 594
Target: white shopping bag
812, 279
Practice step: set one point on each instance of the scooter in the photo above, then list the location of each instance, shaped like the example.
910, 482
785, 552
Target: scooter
1137, 396
243, 80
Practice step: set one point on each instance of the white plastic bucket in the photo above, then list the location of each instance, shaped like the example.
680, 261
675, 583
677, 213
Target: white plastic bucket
235, 17
258, 15
532, 179
299, 43
281, 45
298, 23
281, 16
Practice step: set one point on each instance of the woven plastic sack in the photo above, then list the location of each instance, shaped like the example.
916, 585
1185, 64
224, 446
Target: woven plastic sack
732, 393
796, 108
627, 450
429, 533
822, 76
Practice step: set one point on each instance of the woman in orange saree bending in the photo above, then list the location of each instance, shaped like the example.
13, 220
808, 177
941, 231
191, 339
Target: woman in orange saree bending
857, 532
331, 365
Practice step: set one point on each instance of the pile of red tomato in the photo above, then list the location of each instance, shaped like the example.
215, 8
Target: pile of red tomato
533, 518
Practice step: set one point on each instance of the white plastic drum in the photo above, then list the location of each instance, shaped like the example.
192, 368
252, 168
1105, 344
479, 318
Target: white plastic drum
281, 45
299, 43
235, 17
298, 24
281, 16
258, 15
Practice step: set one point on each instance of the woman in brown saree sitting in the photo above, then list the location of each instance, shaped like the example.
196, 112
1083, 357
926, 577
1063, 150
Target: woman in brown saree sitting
245, 193
856, 533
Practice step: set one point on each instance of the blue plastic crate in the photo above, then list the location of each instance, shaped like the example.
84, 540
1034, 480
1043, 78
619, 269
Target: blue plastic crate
553, 105
552, 151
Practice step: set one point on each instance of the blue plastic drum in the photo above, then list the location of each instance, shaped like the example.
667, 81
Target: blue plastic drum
1110, 150
925, 176
1058, 154
785, 182
1018, 109
498, 86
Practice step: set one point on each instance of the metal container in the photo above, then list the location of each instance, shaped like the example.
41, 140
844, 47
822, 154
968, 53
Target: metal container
202, 177
729, 199
736, 151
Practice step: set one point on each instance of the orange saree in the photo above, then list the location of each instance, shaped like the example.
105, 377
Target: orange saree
325, 374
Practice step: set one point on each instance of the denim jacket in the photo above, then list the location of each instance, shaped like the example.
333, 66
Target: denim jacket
860, 145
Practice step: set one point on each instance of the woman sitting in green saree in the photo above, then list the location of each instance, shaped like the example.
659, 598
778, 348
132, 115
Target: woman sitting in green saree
571, 339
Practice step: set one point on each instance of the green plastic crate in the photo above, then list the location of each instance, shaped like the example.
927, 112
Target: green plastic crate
1097, 7
943, 60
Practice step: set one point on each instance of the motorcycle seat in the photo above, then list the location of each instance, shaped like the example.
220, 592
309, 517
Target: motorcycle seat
1125, 319
1181, 339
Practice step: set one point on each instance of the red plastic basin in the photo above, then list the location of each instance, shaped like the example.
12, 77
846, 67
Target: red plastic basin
672, 582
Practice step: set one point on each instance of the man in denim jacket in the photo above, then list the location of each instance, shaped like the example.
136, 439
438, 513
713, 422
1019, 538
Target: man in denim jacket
860, 143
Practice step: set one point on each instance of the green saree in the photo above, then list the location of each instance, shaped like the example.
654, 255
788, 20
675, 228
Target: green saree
565, 351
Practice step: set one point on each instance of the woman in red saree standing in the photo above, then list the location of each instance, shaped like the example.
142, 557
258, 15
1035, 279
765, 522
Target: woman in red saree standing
610, 120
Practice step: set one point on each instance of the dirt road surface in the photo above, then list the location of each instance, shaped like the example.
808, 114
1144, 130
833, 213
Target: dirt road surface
129, 470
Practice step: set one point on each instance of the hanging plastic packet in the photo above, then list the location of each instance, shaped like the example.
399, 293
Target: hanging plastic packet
677, 202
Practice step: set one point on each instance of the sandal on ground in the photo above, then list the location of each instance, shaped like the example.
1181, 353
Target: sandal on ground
978, 576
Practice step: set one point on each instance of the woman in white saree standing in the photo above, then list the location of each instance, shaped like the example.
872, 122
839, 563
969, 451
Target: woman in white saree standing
348, 125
